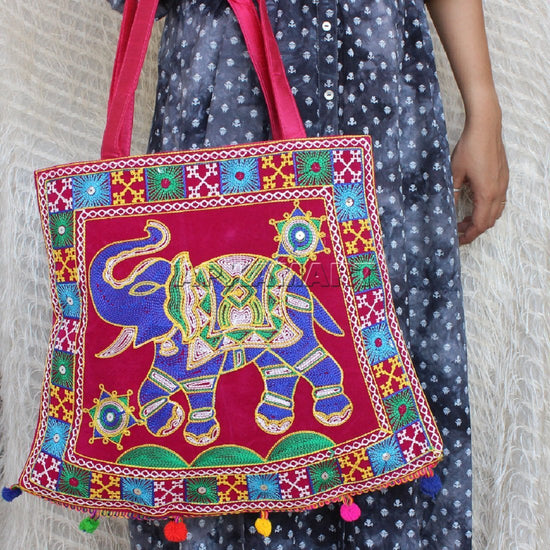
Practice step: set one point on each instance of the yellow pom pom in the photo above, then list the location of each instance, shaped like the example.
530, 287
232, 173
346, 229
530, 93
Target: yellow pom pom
263, 525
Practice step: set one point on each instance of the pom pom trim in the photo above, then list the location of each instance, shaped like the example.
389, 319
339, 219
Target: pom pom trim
263, 525
89, 525
349, 511
430, 486
11, 493
175, 530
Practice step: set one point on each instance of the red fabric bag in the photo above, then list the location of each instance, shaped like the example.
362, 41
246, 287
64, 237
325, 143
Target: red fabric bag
224, 338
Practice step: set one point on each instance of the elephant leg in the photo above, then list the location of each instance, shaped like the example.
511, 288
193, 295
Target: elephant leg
275, 412
162, 416
202, 426
331, 406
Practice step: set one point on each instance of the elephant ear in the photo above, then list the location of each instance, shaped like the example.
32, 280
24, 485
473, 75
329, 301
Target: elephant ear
182, 300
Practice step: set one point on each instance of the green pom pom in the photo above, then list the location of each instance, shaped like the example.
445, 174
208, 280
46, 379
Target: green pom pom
89, 525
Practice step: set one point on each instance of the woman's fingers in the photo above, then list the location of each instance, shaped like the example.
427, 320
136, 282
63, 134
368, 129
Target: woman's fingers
486, 211
483, 217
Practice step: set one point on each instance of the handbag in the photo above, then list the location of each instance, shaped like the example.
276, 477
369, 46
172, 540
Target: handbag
224, 338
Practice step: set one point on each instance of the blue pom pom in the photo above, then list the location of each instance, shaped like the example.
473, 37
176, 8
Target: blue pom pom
11, 493
430, 486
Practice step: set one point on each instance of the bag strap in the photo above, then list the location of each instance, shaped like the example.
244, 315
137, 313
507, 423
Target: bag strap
286, 122
135, 32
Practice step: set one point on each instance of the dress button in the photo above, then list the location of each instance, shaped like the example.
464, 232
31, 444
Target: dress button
329, 95
326, 26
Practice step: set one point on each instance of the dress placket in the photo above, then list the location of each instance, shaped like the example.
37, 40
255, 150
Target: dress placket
326, 26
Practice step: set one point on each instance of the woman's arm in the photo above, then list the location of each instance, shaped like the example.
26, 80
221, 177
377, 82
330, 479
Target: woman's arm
479, 159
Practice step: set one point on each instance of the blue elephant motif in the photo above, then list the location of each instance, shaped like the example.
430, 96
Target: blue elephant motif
212, 319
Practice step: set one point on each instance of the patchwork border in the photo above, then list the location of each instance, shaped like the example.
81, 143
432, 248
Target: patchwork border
338, 169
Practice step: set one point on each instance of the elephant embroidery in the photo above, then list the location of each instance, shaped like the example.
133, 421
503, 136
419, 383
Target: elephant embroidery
212, 319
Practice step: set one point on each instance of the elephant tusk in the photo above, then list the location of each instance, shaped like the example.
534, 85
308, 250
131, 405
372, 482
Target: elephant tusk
121, 343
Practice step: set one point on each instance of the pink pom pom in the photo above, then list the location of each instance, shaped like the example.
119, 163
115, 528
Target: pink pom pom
350, 512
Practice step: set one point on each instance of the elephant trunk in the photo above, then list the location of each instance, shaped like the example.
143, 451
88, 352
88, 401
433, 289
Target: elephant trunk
135, 300
113, 254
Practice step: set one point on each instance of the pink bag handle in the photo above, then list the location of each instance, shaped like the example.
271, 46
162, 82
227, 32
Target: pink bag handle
135, 33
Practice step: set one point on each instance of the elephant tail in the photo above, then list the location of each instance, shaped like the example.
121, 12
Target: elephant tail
324, 319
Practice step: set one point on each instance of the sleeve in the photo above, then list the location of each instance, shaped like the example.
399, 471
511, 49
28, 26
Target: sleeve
164, 6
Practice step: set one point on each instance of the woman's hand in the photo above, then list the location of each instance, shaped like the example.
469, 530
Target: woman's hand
479, 165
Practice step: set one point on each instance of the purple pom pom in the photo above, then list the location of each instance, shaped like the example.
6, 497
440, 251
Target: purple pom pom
11, 493
430, 486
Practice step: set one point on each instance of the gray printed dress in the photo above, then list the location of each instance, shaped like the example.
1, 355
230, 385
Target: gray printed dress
355, 66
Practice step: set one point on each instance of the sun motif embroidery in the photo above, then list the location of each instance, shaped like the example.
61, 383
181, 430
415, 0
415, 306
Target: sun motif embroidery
240, 175
386, 456
92, 190
202, 489
74, 481
55, 440
61, 229
401, 409
62, 369
378, 342
165, 183
264, 487
350, 202
69, 300
314, 168
324, 475
364, 271
137, 490
112, 417
300, 237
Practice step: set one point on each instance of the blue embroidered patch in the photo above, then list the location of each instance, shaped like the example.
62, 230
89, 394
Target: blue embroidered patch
350, 202
137, 490
385, 456
263, 487
240, 175
56, 436
378, 342
91, 190
69, 299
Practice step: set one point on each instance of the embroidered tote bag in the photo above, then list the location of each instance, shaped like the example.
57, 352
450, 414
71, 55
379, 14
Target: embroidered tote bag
223, 338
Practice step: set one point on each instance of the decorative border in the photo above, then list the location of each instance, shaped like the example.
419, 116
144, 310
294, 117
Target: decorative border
66, 319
